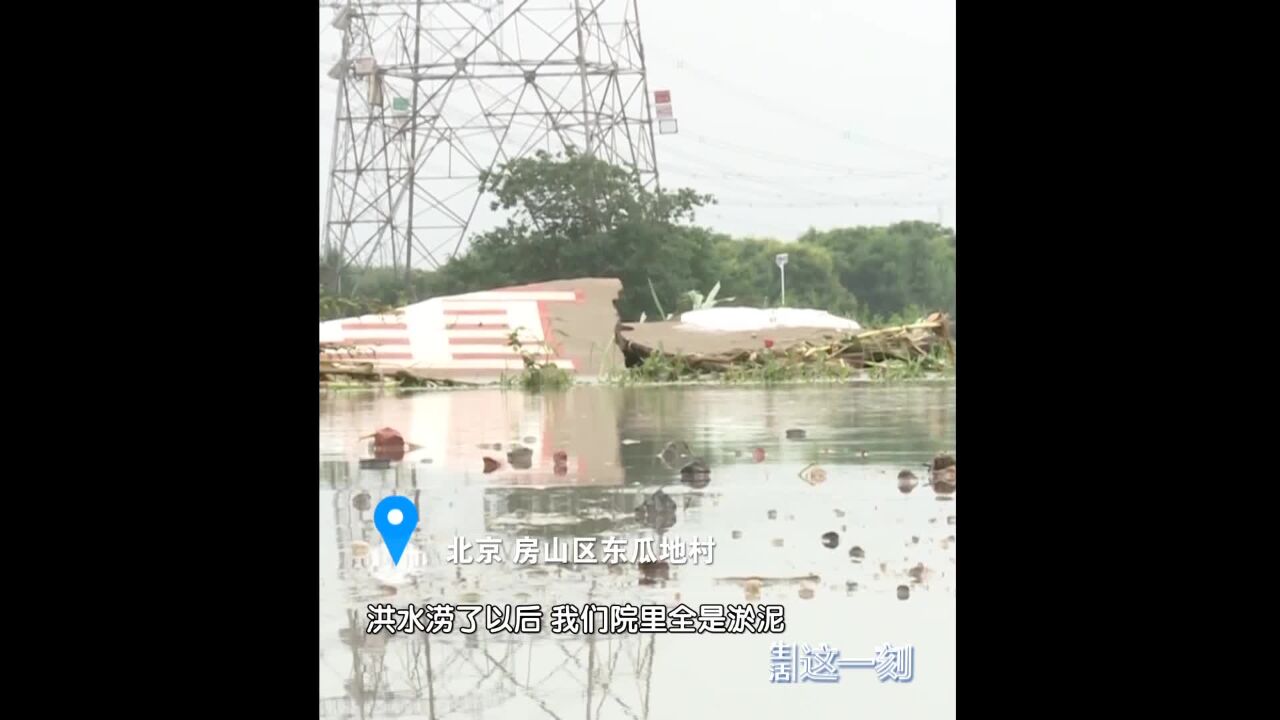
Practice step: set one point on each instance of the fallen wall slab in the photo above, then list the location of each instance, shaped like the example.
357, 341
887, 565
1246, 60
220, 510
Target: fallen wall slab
466, 338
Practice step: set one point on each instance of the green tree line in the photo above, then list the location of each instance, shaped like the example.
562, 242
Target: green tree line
576, 216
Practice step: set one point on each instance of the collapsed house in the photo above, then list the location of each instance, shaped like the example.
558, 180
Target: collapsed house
482, 337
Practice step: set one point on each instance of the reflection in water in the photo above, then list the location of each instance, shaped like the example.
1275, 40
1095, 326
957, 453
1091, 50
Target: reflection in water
598, 463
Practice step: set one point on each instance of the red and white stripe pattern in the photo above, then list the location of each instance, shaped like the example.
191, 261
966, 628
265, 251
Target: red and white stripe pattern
371, 338
463, 332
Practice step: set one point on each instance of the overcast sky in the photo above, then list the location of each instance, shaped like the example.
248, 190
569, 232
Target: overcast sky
793, 113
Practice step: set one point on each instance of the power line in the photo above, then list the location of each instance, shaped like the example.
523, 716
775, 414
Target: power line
721, 83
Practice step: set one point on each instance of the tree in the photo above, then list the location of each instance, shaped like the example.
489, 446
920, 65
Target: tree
752, 276
890, 269
577, 216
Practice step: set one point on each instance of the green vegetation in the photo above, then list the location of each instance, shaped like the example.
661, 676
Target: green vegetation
576, 216
537, 376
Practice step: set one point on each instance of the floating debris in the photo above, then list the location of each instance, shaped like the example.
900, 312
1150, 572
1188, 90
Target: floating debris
904, 592
757, 455
521, 458
850, 586
907, 481
795, 434
806, 593
676, 454
813, 475
918, 573
658, 511
915, 539
490, 465
628, 441
696, 474
737, 534
944, 474
361, 502
857, 553
652, 573
830, 539
773, 514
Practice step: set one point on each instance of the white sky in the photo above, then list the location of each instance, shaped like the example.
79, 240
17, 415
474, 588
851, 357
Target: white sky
793, 113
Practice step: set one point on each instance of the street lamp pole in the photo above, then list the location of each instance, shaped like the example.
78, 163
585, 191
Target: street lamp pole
781, 259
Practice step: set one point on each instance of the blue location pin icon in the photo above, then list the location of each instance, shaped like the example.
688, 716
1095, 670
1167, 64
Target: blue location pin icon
395, 518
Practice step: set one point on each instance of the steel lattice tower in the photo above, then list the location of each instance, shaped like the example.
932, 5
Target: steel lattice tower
433, 93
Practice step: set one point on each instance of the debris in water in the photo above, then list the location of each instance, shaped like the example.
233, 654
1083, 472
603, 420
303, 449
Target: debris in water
850, 586
696, 474
904, 592
918, 573
521, 458
806, 593
361, 502
757, 455
795, 434
944, 474
561, 457
907, 481
915, 539
813, 475
777, 542
830, 539
652, 573
658, 511
839, 512
628, 441
773, 514
490, 465
857, 553
388, 444
676, 454
737, 534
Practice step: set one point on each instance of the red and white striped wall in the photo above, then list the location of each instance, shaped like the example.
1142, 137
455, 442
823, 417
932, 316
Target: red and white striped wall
468, 333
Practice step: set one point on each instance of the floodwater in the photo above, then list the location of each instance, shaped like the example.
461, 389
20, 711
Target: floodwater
772, 532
